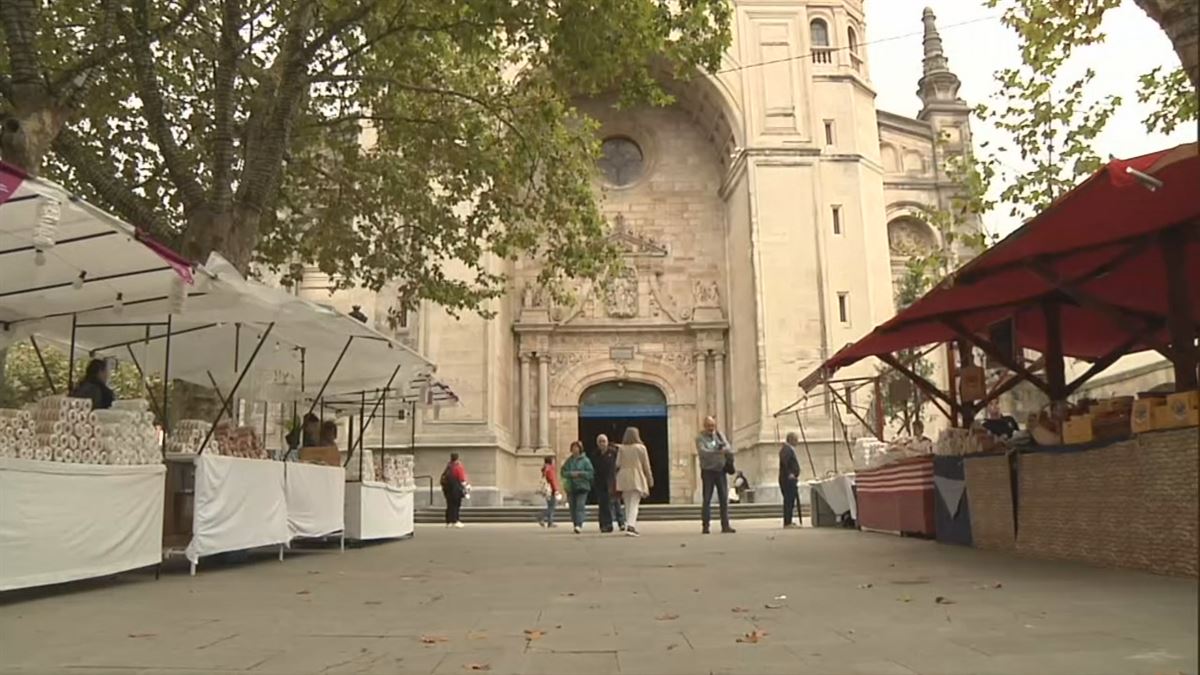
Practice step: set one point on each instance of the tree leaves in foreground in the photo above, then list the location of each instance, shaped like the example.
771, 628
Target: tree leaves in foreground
402, 142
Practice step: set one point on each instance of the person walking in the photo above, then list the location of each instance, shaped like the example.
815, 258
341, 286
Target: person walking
577, 474
714, 453
789, 480
550, 491
454, 488
634, 477
608, 502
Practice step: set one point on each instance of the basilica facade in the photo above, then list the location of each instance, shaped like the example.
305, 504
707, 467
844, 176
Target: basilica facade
762, 217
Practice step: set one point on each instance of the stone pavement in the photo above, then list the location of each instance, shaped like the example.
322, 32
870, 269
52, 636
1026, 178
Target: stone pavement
516, 599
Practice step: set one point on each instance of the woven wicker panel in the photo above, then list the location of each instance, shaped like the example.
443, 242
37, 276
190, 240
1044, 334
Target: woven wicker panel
1131, 504
990, 490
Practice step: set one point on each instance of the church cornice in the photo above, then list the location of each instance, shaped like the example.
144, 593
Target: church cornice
903, 124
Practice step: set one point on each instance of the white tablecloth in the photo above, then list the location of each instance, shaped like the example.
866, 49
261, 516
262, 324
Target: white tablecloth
62, 522
838, 492
378, 511
316, 499
240, 504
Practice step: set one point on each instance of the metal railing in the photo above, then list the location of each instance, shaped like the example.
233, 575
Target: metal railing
430, 479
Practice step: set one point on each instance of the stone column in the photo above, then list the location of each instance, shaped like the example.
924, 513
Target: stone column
543, 401
701, 387
524, 404
719, 383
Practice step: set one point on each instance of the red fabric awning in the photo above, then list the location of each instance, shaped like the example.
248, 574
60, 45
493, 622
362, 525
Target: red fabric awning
1099, 239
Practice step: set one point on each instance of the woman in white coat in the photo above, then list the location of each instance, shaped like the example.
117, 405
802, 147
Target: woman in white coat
634, 477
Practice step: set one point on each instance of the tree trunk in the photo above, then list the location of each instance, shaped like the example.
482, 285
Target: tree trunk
1180, 20
28, 133
231, 232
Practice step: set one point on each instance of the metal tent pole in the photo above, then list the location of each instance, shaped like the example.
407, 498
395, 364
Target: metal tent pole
233, 391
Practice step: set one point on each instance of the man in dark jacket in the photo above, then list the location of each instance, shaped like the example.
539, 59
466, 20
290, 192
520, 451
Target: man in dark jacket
789, 479
94, 385
604, 462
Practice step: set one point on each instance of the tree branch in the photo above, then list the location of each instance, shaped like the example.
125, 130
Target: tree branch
101, 176
224, 78
19, 18
154, 110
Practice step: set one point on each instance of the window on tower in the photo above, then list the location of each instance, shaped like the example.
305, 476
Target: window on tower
818, 32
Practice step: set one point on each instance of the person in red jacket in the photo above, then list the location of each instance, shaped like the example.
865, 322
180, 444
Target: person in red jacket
454, 488
550, 491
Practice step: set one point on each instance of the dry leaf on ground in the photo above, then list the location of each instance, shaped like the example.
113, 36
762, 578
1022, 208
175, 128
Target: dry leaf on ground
303, 592
671, 646
866, 586
904, 598
568, 595
476, 666
739, 610
753, 637
774, 605
942, 600
434, 639
142, 635
481, 635
667, 617
534, 634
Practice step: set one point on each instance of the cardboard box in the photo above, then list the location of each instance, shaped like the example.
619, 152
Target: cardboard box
1077, 430
1180, 411
1142, 417
327, 455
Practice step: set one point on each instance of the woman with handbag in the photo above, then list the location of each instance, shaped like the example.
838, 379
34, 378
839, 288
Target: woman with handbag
454, 489
550, 493
577, 473
634, 477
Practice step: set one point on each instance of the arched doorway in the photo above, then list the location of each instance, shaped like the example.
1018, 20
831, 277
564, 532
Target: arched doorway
609, 407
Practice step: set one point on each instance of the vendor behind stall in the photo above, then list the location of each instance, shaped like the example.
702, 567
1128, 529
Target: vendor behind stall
94, 385
329, 431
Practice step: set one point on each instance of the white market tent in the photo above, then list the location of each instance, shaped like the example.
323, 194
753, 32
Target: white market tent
77, 276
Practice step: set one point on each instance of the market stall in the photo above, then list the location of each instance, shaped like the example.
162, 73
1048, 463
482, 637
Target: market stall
1109, 269
81, 490
832, 501
315, 496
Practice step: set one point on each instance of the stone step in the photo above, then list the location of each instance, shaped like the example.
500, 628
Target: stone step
649, 512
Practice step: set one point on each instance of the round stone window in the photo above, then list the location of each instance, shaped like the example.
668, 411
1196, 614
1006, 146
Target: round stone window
621, 161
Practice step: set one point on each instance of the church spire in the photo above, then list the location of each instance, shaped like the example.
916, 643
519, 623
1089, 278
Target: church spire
938, 85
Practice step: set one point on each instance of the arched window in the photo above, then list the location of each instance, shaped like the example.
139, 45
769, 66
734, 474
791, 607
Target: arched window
819, 32
852, 39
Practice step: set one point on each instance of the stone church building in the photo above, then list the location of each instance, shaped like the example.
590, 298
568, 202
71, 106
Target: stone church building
761, 216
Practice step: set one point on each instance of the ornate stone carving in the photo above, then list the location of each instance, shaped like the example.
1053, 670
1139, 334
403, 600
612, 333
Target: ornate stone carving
561, 361
706, 294
907, 236
622, 297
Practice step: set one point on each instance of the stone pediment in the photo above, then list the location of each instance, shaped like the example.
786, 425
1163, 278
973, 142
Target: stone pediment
634, 245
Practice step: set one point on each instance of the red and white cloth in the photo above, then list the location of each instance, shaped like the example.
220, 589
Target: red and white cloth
897, 497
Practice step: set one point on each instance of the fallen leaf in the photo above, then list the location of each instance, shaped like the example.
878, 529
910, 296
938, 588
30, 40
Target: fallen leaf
568, 595
559, 626
866, 586
683, 546
671, 646
481, 635
753, 637
373, 602
303, 592
142, 635
434, 639
773, 605
941, 600
904, 598
476, 666
667, 617
739, 610
695, 590
534, 634
313, 572
997, 585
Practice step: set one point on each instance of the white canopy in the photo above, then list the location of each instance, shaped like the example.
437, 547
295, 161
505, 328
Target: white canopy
133, 291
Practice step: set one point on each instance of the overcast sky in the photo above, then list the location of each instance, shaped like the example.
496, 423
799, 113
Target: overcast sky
980, 45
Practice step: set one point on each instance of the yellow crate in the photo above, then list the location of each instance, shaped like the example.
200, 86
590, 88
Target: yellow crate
1077, 430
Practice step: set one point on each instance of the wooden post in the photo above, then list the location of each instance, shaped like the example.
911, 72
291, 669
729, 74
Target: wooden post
1183, 332
952, 383
966, 359
1056, 377
878, 410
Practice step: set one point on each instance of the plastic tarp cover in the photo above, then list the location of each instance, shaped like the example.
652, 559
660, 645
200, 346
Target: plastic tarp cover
378, 511
239, 504
315, 499
63, 522
838, 492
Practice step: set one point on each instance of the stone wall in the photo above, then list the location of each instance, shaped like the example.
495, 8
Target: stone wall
989, 487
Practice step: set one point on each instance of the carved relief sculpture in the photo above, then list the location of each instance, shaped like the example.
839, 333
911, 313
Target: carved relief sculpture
622, 300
